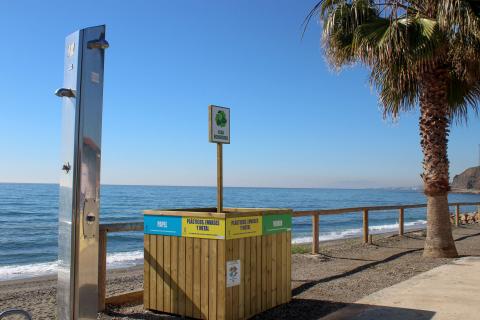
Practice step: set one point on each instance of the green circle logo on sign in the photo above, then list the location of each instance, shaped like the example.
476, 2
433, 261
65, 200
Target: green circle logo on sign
221, 119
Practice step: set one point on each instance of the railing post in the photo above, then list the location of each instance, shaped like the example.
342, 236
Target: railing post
102, 269
365, 226
401, 224
315, 233
457, 215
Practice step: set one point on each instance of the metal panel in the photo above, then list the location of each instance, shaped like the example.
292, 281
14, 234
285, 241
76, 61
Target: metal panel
66, 227
80, 180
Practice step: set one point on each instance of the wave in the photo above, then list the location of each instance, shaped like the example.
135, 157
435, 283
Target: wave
124, 259
28, 270
114, 261
352, 233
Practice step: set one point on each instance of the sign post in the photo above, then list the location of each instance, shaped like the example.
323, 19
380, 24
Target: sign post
219, 133
219, 177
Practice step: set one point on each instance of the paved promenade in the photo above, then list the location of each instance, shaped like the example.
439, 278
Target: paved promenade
451, 291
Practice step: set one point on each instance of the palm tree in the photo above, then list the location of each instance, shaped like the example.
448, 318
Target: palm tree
419, 52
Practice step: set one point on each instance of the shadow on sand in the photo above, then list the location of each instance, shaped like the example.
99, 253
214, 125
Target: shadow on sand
296, 309
315, 309
304, 287
357, 311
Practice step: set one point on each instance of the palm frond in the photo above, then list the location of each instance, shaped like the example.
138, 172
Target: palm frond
459, 17
401, 41
398, 92
461, 98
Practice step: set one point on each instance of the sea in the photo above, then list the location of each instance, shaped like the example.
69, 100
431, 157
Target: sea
29, 217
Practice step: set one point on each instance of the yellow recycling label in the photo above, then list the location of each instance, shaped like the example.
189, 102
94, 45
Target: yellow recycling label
207, 228
243, 227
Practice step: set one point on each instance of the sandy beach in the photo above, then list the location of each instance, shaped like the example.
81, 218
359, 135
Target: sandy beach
344, 271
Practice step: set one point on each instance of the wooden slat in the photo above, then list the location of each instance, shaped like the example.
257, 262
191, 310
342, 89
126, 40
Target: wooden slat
279, 268
284, 267
174, 274
124, 298
401, 221
457, 215
204, 278
102, 269
122, 226
372, 208
212, 278
212, 212
189, 277
241, 288
146, 271
253, 275
289, 266
365, 226
315, 234
221, 280
264, 272
355, 209
167, 278
259, 274
181, 276
197, 284
247, 288
159, 272
229, 291
169, 212
464, 203
186, 213
274, 271
235, 296
268, 275
153, 272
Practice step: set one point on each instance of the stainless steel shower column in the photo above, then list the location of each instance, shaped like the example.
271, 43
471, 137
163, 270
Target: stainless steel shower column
82, 97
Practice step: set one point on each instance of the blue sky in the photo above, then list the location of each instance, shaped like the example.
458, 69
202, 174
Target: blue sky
295, 123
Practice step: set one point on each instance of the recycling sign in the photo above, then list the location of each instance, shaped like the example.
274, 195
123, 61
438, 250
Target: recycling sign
219, 124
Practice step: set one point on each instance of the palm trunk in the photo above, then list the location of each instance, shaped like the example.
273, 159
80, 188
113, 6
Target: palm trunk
434, 129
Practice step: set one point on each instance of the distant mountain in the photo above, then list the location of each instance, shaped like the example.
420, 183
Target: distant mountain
467, 181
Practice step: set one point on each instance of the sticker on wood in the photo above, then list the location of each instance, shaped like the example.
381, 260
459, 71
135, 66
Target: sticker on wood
233, 273
242, 227
276, 223
163, 225
206, 228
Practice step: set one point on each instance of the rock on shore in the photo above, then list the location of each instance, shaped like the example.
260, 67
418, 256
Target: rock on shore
467, 181
467, 218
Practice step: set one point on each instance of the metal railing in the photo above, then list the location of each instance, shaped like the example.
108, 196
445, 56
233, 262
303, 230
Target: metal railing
315, 214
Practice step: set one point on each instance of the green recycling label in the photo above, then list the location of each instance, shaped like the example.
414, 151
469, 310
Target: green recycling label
274, 223
219, 124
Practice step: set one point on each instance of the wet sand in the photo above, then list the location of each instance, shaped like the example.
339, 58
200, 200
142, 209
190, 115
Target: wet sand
344, 271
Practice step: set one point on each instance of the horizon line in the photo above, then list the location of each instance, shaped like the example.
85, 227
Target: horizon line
213, 186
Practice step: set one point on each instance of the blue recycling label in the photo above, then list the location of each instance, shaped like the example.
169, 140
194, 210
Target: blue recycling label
163, 225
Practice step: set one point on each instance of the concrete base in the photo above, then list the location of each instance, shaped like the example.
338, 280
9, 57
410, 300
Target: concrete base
447, 292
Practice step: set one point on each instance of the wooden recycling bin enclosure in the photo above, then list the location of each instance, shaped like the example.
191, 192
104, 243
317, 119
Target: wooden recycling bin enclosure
205, 264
